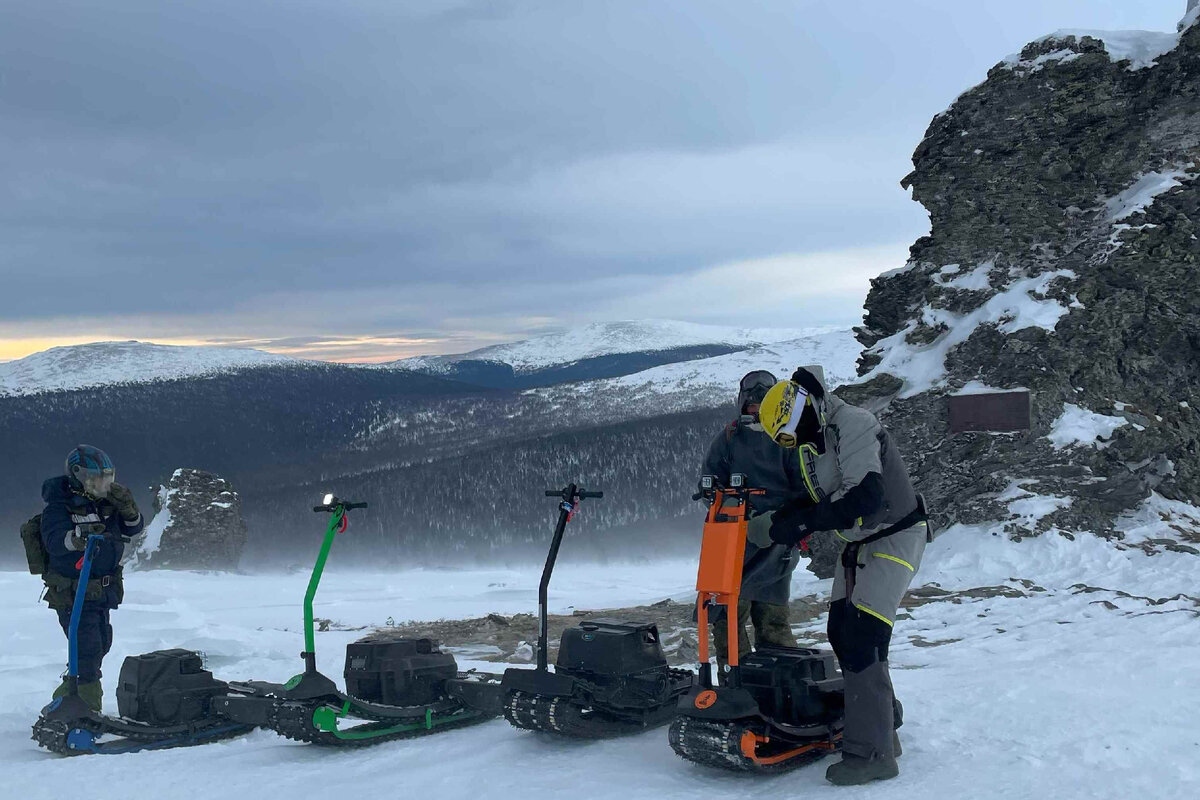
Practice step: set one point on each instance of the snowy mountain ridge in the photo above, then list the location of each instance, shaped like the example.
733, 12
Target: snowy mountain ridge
103, 363
706, 382
607, 338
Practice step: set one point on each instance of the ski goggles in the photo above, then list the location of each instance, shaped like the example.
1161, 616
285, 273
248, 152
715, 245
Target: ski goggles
754, 386
786, 436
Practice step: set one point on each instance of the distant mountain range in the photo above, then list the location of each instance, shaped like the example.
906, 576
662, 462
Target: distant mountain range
453, 468
108, 363
600, 350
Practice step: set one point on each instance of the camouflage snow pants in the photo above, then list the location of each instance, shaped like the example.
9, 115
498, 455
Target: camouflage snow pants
771, 626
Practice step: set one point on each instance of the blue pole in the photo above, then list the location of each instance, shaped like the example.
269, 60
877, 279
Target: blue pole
93, 541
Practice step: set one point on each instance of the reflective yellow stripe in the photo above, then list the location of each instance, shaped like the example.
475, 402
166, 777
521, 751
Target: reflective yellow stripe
858, 522
897, 560
812, 490
874, 614
843, 538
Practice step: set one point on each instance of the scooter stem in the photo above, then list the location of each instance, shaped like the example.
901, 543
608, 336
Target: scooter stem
564, 513
310, 647
94, 540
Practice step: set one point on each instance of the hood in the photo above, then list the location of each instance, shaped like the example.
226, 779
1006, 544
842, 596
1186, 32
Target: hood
58, 490
812, 379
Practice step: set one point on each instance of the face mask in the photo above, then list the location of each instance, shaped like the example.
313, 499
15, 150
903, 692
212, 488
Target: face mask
97, 486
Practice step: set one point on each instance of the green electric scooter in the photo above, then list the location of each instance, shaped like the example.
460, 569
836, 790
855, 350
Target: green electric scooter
395, 687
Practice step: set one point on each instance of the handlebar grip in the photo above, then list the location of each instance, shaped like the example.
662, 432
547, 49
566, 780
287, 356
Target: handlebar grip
320, 508
349, 506
554, 493
591, 494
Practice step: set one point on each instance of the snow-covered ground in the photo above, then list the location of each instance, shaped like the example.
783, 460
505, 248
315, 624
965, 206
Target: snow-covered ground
607, 338
1073, 676
710, 382
101, 363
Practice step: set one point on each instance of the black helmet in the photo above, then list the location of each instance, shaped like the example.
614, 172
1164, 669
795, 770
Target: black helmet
753, 387
90, 471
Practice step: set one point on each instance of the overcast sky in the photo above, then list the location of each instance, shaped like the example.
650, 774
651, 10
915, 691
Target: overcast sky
360, 179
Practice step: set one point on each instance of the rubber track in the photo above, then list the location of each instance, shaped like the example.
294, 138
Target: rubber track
53, 736
718, 744
564, 716
294, 721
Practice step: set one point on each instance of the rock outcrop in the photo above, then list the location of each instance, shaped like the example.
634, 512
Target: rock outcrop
197, 524
1064, 257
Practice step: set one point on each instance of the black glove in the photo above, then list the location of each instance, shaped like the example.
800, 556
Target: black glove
122, 500
787, 525
808, 382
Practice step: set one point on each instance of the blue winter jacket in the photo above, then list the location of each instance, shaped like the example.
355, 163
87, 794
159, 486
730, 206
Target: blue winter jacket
64, 510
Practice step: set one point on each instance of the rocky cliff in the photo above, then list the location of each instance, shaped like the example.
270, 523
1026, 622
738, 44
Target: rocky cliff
1063, 258
197, 524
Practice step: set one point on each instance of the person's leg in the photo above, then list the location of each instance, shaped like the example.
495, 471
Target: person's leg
93, 640
861, 631
64, 621
720, 633
862, 647
771, 625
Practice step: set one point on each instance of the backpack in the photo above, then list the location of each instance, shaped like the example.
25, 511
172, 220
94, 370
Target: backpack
35, 549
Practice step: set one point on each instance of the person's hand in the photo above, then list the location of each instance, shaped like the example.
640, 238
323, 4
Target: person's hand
787, 525
758, 530
77, 537
123, 500
808, 382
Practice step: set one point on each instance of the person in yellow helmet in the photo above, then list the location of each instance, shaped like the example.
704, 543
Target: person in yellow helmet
860, 492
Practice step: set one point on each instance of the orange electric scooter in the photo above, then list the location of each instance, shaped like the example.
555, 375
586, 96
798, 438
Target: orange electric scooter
774, 709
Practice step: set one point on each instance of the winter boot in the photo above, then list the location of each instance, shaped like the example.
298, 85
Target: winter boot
896, 751
854, 770
92, 694
63, 689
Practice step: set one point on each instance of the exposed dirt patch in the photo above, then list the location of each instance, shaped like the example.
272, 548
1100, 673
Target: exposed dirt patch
496, 637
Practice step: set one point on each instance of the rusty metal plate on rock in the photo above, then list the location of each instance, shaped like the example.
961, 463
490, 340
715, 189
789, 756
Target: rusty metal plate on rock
991, 411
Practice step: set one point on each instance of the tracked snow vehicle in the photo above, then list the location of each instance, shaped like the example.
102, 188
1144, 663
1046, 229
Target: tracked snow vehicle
610, 676
776, 708
395, 687
164, 699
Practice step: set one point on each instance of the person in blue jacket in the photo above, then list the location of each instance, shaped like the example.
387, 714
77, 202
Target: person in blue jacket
87, 500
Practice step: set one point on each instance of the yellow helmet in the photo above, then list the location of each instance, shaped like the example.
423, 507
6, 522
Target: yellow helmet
782, 410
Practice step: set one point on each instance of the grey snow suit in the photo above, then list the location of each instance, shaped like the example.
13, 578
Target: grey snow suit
873, 577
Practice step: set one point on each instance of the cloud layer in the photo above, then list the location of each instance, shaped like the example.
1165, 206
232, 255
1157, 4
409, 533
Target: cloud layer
381, 178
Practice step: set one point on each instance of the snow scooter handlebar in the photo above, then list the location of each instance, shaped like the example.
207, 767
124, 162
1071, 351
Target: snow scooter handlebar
710, 485
570, 495
335, 502
580, 493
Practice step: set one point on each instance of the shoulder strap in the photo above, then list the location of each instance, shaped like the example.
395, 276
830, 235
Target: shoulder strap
911, 518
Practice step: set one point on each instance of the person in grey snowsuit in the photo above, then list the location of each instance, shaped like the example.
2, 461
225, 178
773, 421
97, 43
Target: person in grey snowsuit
742, 447
861, 493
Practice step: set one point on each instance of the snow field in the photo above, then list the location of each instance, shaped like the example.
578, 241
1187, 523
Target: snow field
1047, 689
711, 382
104, 363
607, 338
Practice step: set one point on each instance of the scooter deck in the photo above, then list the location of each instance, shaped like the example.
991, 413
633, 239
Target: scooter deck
337, 719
